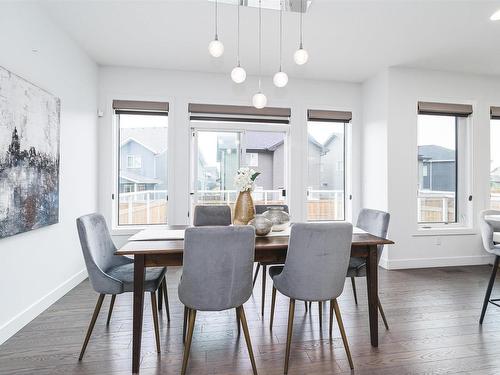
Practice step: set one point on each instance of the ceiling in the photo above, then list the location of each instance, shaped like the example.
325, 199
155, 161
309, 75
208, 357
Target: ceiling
347, 40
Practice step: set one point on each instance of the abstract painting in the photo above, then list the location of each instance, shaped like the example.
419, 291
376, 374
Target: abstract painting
29, 156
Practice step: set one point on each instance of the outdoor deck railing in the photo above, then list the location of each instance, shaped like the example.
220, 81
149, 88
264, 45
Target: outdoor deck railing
150, 206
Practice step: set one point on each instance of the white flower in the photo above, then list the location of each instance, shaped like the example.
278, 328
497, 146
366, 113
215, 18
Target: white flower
244, 179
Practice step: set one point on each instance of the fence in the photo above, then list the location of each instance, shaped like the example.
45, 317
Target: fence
435, 206
143, 207
150, 206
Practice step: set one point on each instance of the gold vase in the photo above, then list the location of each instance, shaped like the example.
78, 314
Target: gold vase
244, 210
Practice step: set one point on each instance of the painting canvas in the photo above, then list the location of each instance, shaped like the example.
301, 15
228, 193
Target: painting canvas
29, 156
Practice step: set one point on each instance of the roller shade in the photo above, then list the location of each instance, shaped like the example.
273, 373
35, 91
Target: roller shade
137, 105
444, 109
333, 116
238, 113
495, 113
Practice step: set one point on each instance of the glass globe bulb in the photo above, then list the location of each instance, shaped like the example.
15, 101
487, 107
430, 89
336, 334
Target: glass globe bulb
259, 100
216, 48
300, 56
280, 79
238, 74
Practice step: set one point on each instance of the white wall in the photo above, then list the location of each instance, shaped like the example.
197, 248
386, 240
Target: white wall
374, 143
38, 267
405, 88
181, 88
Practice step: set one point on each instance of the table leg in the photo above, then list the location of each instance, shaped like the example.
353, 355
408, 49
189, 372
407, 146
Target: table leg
138, 311
372, 288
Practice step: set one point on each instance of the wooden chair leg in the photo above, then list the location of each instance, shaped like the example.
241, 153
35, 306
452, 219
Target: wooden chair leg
353, 282
264, 269
382, 313
342, 332
320, 307
165, 296
310, 305
238, 322
160, 297
490, 287
291, 312
92, 324
241, 313
189, 338
256, 274
184, 326
154, 307
111, 305
331, 319
273, 303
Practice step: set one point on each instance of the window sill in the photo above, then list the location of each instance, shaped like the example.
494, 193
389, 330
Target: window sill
436, 231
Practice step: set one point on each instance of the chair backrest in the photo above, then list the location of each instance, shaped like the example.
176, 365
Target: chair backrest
212, 215
261, 208
217, 267
487, 230
98, 252
316, 262
374, 222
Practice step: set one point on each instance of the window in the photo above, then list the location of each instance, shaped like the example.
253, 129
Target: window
495, 159
326, 158
142, 163
223, 144
442, 159
134, 162
221, 152
325, 172
437, 165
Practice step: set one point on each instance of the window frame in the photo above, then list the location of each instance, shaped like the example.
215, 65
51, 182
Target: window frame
463, 178
115, 195
199, 125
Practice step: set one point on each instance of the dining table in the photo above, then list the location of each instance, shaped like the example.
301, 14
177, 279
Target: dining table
164, 247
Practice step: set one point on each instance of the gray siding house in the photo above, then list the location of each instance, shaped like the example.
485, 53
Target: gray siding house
436, 168
142, 167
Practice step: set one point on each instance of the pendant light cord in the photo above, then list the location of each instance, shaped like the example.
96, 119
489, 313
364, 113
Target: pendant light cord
260, 43
238, 40
301, 15
216, 28
281, 34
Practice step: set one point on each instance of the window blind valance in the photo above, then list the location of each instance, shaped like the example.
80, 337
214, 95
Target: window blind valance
495, 113
138, 105
444, 109
333, 116
238, 113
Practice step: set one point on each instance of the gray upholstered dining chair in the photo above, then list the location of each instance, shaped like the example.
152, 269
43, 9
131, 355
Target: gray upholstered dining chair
487, 233
112, 274
314, 270
212, 215
377, 223
260, 209
217, 275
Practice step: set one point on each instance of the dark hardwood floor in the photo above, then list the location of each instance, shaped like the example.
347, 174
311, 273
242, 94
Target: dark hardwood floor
433, 316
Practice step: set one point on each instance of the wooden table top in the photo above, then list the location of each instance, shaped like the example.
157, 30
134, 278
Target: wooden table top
261, 243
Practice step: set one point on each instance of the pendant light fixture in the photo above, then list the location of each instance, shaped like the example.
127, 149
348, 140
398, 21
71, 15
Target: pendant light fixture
216, 48
300, 56
280, 79
238, 74
259, 100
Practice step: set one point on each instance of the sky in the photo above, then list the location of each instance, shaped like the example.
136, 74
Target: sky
436, 130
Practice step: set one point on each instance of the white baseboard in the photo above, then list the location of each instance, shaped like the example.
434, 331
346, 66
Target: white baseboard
398, 264
24, 317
